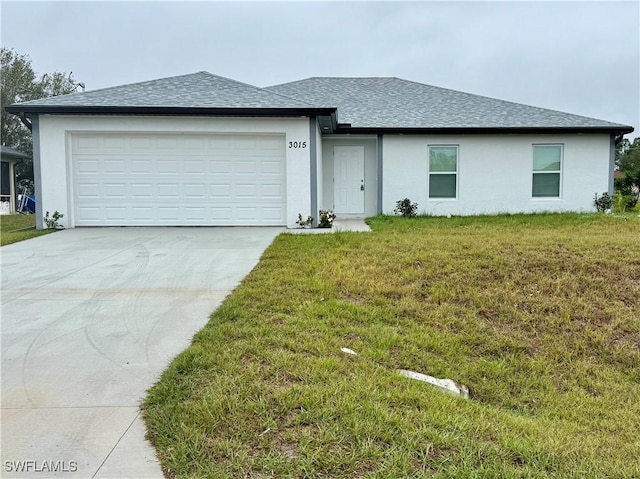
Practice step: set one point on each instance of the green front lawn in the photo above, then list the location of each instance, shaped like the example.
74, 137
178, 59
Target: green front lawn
14, 228
539, 315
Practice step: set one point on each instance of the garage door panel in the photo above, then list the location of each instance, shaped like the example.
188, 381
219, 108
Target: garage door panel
88, 213
116, 213
112, 142
142, 213
88, 190
194, 167
169, 167
197, 191
246, 191
245, 143
275, 191
221, 191
114, 167
221, 213
87, 166
271, 144
246, 167
141, 190
271, 167
272, 213
220, 167
169, 213
168, 190
191, 179
139, 166
115, 190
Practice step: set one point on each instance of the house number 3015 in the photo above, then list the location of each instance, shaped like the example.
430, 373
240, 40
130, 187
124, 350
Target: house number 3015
297, 144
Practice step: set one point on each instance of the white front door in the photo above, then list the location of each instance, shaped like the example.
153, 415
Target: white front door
348, 187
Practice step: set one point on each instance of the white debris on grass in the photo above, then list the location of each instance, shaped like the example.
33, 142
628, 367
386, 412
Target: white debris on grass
348, 351
446, 385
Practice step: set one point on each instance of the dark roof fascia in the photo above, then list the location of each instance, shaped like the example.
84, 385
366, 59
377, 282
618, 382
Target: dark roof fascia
11, 153
623, 129
13, 156
154, 110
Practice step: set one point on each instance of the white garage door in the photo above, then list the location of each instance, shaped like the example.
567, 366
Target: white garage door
178, 179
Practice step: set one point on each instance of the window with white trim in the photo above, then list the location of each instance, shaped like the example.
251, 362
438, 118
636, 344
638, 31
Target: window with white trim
443, 171
547, 165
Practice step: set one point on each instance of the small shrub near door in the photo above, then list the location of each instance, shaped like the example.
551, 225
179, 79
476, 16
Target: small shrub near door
304, 223
326, 219
406, 208
51, 222
603, 203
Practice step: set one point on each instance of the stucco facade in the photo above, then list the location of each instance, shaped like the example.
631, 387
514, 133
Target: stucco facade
494, 173
54, 188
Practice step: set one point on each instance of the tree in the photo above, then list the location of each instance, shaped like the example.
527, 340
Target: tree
20, 83
628, 162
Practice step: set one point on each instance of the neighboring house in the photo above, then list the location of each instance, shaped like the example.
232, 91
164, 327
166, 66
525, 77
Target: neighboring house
9, 158
201, 149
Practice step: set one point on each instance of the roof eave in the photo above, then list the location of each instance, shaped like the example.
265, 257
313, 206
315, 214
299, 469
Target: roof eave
13, 156
622, 129
164, 110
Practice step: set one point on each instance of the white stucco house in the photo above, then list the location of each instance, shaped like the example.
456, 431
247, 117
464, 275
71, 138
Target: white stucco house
201, 149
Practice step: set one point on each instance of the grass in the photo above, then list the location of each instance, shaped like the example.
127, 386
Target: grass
14, 228
539, 315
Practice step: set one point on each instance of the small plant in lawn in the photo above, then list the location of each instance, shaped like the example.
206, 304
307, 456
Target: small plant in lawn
603, 203
52, 221
406, 208
620, 202
326, 219
304, 223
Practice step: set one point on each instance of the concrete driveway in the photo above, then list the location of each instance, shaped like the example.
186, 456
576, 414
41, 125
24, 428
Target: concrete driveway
90, 318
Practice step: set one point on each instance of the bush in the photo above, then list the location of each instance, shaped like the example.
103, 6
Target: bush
621, 203
52, 222
304, 223
603, 203
326, 219
406, 208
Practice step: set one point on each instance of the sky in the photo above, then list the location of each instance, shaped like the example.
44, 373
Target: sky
577, 57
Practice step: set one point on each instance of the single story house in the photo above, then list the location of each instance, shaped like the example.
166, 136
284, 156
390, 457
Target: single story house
8, 160
200, 149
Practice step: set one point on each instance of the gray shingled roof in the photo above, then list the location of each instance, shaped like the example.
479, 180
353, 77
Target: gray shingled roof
397, 103
362, 102
196, 90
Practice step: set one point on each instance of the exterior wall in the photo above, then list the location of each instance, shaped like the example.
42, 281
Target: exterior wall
53, 164
495, 173
370, 170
